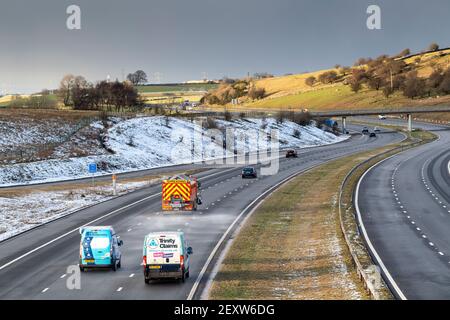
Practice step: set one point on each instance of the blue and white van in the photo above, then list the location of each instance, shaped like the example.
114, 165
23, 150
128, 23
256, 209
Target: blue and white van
166, 255
99, 248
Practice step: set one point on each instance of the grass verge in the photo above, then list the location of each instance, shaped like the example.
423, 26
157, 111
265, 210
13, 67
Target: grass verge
293, 246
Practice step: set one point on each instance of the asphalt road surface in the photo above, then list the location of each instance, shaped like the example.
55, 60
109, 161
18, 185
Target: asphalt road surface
404, 204
34, 265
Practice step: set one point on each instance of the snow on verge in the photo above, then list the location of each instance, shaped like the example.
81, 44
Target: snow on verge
22, 213
149, 142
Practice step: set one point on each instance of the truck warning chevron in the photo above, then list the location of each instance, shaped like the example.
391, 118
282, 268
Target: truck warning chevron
180, 193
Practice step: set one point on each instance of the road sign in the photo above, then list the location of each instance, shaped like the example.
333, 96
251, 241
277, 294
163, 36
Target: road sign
92, 167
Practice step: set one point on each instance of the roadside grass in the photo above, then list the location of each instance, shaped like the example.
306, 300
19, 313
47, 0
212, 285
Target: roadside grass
292, 247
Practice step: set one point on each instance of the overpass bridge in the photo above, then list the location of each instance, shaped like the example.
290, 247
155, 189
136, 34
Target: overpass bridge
408, 111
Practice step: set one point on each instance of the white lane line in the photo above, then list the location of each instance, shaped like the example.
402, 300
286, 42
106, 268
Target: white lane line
119, 289
131, 275
368, 241
129, 230
92, 222
45, 290
441, 253
63, 276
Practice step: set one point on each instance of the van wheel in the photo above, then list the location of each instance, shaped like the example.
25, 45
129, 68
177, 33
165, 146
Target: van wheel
147, 281
81, 269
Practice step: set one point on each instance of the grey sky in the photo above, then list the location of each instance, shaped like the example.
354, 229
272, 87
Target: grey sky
183, 38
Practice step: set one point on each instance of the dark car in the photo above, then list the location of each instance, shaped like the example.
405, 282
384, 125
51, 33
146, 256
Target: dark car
249, 172
291, 154
365, 130
372, 135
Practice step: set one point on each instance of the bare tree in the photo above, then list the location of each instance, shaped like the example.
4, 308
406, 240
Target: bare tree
433, 47
65, 89
137, 78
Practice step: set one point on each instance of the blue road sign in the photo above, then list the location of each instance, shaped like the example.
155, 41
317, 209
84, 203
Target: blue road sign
92, 167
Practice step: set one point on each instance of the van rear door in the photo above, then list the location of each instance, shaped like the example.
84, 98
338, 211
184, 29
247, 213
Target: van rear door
97, 247
164, 249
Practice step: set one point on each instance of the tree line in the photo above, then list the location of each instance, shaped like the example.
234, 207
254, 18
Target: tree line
231, 89
390, 74
78, 93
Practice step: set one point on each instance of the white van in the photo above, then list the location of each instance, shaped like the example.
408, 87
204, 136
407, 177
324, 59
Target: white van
166, 255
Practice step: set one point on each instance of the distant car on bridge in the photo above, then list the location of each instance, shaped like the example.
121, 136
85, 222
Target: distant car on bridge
382, 117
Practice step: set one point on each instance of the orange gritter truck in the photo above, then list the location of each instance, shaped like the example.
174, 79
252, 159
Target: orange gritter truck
180, 193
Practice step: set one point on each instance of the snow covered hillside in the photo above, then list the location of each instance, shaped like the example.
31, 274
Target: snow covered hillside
148, 142
23, 212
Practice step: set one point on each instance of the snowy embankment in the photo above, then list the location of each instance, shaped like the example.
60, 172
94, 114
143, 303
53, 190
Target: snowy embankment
150, 142
23, 212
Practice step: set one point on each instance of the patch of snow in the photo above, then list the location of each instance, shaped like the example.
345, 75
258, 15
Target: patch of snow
150, 142
24, 212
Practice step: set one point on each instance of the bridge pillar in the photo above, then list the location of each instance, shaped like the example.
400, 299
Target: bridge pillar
344, 125
409, 122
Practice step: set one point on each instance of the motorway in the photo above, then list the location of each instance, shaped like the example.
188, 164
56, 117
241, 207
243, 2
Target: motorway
404, 205
33, 265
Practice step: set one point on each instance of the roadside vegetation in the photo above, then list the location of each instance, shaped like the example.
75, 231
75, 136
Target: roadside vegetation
404, 79
292, 246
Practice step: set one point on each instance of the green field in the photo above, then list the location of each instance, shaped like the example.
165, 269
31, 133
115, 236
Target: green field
196, 87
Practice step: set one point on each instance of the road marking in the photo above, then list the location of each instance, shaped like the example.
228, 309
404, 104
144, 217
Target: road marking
92, 222
45, 290
368, 241
129, 230
131, 275
441, 253
119, 289
63, 276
